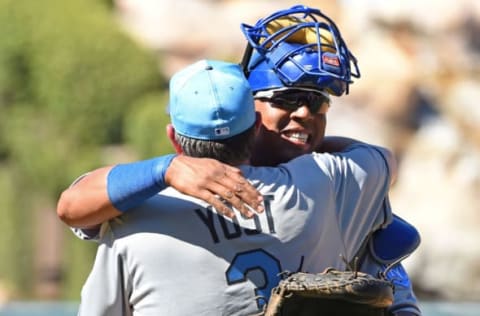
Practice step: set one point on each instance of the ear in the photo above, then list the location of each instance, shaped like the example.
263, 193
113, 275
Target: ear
171, 135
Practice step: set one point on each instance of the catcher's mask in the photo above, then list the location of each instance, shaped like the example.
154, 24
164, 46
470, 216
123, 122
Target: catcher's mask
299, 46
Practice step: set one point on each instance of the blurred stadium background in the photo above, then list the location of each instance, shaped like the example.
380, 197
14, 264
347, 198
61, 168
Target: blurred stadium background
83, 83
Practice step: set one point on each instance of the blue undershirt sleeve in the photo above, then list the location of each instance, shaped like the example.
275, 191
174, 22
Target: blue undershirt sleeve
128, 185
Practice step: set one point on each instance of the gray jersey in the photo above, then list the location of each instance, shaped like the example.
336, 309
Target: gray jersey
174, 255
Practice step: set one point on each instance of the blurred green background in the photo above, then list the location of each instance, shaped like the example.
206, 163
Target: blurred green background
69, 79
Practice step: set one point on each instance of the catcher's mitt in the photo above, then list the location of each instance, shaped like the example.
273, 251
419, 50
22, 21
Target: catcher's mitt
330, 293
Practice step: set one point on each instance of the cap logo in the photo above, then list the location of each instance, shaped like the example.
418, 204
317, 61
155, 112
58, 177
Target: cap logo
222, 131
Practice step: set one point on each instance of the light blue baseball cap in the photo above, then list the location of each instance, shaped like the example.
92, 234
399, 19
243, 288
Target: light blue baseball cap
211, 100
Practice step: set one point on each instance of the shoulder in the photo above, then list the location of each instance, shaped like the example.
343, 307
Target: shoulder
356, 154
359, 152
357, 162
324, 165
359, 156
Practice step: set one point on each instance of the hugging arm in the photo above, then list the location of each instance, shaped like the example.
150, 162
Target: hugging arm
109, 191
389, 246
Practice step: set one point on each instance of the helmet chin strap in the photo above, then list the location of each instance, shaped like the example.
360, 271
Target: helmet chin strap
247, 55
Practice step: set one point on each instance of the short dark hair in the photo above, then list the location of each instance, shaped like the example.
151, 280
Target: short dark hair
234, 150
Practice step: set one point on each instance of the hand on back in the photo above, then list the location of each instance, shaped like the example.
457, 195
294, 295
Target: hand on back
219, 184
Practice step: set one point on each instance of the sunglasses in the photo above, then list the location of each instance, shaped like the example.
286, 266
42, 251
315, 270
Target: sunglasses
317, 102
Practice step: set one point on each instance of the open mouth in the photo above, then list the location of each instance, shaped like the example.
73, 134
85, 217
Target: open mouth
297, 137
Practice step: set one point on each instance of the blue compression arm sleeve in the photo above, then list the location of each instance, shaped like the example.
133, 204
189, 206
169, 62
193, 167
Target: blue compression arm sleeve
130, 184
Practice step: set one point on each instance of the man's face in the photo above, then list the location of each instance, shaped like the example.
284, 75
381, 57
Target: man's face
293, 123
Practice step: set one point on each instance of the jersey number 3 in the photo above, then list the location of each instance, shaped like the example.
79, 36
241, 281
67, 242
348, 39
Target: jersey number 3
255, 260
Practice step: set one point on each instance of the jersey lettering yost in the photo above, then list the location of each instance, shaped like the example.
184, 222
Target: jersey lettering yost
233, 229
174, 255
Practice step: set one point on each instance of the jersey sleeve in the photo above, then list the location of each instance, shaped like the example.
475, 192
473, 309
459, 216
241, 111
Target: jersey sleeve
360, 177
92, 234
106, 291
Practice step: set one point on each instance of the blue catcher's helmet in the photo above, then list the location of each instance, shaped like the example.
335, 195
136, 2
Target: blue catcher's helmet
298, 47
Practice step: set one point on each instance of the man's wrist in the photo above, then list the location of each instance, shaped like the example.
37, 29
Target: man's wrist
130, 184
